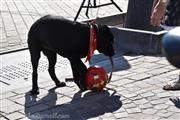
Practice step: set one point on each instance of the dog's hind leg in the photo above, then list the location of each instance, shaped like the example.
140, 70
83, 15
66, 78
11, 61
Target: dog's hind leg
52, 57
35, 55
79, 71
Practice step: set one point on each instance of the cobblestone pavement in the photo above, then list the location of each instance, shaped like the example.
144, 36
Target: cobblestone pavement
18, 15
135, 93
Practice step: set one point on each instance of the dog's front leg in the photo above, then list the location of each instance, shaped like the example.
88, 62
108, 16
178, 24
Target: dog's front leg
79, 72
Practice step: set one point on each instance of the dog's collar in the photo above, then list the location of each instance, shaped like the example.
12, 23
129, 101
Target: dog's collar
92, 43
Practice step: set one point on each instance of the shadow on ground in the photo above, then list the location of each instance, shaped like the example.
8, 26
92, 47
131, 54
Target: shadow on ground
120, 63
176, 102
82, 106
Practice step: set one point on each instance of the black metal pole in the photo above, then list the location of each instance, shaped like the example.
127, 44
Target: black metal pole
79, 10
116, 6
94, 6
87, 10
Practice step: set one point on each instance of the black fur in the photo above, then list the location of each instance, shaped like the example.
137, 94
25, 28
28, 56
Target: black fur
55, 35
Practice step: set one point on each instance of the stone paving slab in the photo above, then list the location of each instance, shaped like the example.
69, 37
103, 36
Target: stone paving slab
134, 93
17, 16
16, 71
127, 97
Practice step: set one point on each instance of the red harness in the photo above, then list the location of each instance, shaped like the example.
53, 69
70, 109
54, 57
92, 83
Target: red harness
96, 77
92, 44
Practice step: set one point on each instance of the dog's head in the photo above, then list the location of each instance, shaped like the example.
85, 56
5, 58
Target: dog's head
105, 40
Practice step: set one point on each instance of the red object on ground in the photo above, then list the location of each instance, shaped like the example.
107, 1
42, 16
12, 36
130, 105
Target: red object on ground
96, 78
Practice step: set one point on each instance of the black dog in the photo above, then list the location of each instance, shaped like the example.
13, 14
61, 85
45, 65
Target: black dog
52, 34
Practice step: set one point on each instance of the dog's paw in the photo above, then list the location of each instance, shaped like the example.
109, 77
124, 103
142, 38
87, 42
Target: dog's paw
81, 86
82, 89
60, 84
34, 92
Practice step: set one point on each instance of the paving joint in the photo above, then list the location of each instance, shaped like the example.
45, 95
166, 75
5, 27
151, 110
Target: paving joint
133, 98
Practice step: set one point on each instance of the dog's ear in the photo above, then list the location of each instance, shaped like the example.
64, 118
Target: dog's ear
110, 34
105, 40
106, 32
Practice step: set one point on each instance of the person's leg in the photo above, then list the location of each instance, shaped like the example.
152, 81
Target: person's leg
171, 47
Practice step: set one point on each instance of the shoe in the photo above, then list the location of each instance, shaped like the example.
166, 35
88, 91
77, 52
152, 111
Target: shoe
173, 86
